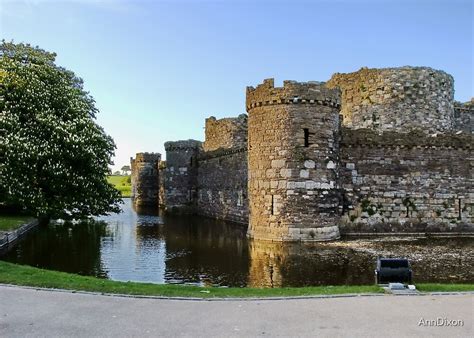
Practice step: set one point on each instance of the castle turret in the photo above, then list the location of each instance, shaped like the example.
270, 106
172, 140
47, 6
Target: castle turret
292, 153
397, 99
145, 179
180, 182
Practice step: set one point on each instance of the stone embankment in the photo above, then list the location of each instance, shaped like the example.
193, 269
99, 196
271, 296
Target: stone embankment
8, 238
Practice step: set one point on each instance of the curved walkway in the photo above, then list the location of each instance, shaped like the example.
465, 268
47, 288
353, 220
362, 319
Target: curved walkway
29, 312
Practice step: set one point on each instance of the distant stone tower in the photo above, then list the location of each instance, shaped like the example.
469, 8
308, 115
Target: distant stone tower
180, 183
145, 179
397, 99
293, 161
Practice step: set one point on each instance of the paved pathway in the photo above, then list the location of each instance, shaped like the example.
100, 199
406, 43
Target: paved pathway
28, 312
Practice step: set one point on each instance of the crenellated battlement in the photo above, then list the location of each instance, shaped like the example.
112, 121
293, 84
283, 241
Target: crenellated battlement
292, 92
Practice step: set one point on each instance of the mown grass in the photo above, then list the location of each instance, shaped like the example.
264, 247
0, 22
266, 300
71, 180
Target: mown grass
438, 287
30, 276
122, 184
8, 222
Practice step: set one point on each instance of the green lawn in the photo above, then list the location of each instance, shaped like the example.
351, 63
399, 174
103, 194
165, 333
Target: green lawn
121, 184
437, 287
27, 275
12, 222
30, 276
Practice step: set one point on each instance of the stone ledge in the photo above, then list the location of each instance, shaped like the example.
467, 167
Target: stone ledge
220, 152
10, 237
413, 139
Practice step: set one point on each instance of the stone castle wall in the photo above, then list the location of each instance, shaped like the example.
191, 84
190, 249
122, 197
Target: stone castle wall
407, 183
180, 183
145, 185
396, 99
292, 158
464, 116
402, 161
222, 185
226, 133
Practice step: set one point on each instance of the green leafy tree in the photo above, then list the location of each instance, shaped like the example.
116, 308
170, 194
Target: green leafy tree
54, 158
126, 169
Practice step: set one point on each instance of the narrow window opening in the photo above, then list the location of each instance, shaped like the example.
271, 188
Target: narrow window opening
306, 137
460, 210
191, 162
272, 206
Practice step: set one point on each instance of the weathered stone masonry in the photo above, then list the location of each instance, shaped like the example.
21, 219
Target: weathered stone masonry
145, 178
399, 158
406, 183
180, 181
293, 187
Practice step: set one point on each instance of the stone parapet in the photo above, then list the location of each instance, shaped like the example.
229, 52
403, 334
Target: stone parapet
292, 92
183, 145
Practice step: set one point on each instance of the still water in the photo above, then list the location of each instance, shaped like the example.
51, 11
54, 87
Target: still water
146, 246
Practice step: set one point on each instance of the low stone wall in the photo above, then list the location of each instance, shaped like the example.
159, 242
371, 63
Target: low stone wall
222, 185
8, 238
406, 183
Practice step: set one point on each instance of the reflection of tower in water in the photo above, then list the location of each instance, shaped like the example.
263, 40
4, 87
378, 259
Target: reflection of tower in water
266, 261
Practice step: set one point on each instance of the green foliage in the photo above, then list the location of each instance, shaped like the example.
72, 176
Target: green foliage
54, 157
370, 209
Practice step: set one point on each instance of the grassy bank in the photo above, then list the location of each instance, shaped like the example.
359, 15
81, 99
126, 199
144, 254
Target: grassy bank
26, 275
8, 223
437, 287
30, 276
122, 184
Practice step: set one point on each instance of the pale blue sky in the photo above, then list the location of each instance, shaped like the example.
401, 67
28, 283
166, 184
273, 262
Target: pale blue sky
157, 69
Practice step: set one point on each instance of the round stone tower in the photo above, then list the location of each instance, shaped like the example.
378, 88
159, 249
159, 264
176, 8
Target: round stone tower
292, 154
145, 179
397, 99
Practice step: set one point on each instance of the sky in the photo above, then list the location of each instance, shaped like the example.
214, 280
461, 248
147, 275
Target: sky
157, 69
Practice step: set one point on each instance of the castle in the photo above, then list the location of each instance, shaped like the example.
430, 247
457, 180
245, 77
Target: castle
374, 151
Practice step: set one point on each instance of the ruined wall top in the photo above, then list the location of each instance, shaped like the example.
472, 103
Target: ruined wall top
292, 92
183, 145
146, 157
468, 106
399, 99
226, 133
464, 116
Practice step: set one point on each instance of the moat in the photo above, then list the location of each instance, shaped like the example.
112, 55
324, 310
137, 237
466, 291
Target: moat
146, 246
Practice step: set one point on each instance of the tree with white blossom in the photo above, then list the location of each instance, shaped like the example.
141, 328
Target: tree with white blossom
54, 158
